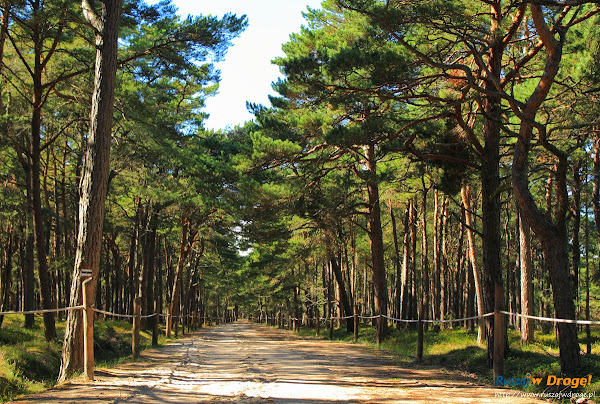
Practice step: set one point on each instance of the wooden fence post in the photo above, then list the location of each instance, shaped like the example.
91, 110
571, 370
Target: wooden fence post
156, 321
498, 358
169, 322
355, 323
331, 328
135, 335
88, 327
420, 334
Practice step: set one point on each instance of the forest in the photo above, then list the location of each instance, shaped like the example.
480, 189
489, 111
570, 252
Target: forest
415, 153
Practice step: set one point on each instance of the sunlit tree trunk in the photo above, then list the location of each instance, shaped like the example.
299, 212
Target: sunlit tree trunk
466, 199
526, 281
94, 181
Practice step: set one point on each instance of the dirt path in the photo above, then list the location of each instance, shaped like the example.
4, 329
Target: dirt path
247, 363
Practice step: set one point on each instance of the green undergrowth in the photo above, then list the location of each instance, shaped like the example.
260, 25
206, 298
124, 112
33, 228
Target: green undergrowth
457, 349
29, 364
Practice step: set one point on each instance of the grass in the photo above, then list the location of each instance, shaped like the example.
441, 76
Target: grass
29, 364
457, 349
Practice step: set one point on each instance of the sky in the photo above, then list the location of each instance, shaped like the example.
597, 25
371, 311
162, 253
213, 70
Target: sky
247, 72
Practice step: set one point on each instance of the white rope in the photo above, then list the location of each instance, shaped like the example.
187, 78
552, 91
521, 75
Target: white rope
374, 317
7, 313
553, 320
398, 320
106, 313
340, 318
455, 320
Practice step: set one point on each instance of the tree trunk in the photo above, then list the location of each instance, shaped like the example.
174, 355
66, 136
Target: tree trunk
94, 181
27, 273
576, 244
403, 307
459, 261
187, 237
435, 276
344, 299
4, 23
413, 261
490, 175
376, 242
150, 272
398, 300
466, 199
425, 299
596, 186
444, 262
553, 236
525, 264
5, 276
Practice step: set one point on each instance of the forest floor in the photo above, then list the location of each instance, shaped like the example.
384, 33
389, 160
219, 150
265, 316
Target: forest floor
244, 362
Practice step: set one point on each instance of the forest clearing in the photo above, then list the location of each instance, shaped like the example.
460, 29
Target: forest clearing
425, 179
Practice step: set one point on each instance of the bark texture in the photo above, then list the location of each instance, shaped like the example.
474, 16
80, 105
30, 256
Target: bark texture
94, 181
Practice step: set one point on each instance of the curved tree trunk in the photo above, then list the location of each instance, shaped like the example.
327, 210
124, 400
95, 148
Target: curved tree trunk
553, 236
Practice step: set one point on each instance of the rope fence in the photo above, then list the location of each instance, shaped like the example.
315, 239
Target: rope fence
443, 321
392, 319
8, 313
99, 311
89, 310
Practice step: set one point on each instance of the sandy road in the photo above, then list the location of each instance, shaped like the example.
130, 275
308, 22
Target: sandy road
248, 363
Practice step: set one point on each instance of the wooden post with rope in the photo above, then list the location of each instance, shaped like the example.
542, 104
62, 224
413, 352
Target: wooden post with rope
135, 335
88, 323
498, 358
156, 319
355, 323
420, 333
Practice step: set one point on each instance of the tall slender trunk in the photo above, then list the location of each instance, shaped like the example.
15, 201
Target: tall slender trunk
398, 300
435, 276
413, 261
596, 186
466, 199
490, 175
5, 275
33, 173
575, 242
150, 252
376, 242
403, 308
4, 23
27, 273
94, 181
425, 258
185, 247
344, 298
459, 260
444, 261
